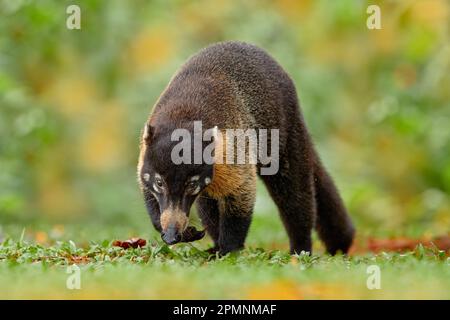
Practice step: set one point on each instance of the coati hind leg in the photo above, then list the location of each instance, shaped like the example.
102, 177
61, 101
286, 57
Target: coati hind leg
333, 224
292, 190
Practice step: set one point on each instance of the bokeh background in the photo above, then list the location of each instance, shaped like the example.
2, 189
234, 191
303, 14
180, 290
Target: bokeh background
73, 102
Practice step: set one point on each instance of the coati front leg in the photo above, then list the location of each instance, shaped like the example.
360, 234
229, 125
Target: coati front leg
227, 209
208, 211
235, 218
236, 207
226, 220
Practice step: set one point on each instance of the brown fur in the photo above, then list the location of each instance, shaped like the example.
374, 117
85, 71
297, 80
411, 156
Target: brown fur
235, 85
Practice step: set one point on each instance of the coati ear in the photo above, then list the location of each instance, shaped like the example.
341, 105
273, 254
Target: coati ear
148, 133
218, 145
217, 137
213, 149
216, 134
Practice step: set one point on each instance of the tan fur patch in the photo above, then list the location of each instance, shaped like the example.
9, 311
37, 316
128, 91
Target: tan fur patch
175, 217
230, 178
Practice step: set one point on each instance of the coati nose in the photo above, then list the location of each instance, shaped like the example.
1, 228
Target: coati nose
171, 236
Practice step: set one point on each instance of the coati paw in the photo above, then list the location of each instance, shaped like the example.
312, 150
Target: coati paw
212, 250
218, 252
225, 251
192, 234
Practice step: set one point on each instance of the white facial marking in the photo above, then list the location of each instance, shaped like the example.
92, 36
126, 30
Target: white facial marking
195, 178
155, 185
197, 190
147, 177
207, 180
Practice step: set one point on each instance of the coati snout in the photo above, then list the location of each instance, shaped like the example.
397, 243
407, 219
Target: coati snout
172, 188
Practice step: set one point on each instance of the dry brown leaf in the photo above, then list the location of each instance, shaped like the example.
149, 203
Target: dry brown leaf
407, 244
130, 243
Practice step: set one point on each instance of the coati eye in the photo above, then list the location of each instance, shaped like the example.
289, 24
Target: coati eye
158, 182
191, 185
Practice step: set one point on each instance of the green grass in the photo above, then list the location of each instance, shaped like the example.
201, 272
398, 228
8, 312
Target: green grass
30, 270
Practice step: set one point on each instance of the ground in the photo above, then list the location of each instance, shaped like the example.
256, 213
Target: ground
264, 270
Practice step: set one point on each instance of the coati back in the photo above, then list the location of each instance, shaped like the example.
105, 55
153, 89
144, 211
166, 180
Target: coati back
235, 85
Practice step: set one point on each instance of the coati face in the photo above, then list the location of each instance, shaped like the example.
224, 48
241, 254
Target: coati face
175, 187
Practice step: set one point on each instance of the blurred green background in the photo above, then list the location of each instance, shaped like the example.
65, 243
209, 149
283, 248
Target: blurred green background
73, 102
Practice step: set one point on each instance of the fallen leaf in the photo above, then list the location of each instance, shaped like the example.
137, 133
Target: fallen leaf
407, 244
396, 244
130, 243
442, 242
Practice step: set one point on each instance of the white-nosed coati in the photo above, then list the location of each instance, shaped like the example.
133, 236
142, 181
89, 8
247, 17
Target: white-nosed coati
238, 86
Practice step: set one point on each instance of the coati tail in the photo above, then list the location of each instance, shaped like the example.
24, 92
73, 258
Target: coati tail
333, 224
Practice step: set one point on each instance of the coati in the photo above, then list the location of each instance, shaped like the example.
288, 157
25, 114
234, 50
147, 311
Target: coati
237, 85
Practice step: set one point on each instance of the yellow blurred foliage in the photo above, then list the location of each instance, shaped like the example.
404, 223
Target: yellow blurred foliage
204, 19
294, 9
328, 51
102, 145
72, 94
149, 50
431, 13
385, 40
442, 220
56, 194
288, 290
395, 169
